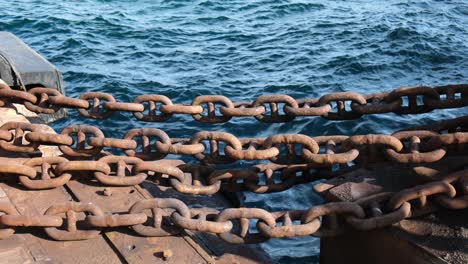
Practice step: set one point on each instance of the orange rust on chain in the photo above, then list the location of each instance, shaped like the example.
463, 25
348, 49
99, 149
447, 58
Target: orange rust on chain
82, 166
308, 107
80, 149
288, 177
330, 157
360, 141
230, 177
122, 171
72, 233
420, 193
289, 140
42, 104
288, 229
31, 220
192, 183
198, 222
375, 104
149, 166
6, 135
414, 155
152, 100
49, 139
251, 153
412, 93
211, 101
274, 115
181, 147
119, 106
17, 169
242, 109
340, 99
152, 144
145, 134
156, 205
457, 179
8, 209
243, 215
182, 109
115, 220
14, 96
169, 216
16, 144
48, 100
96, 111
68, 102
215, 137
450, 100
448, 139
118, 143
49, 178
332, 209
375, 222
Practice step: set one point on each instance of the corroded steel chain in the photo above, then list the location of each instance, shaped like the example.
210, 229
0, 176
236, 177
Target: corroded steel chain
266, 108
221, 147
51, 172
169, 216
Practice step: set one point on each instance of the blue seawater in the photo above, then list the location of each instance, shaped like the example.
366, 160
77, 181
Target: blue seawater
243, 49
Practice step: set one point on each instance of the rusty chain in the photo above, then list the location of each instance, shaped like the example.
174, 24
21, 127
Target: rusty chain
220, 147
266, 108
52, 172
168, 216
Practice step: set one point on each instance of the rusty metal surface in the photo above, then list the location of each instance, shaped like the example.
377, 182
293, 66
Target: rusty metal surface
31, 245
435, 236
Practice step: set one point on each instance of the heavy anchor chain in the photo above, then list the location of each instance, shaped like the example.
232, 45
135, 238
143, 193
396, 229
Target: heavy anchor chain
52, 172
169, 216
266, 108
419, 146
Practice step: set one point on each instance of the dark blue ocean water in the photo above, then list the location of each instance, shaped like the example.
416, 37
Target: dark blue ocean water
243, 49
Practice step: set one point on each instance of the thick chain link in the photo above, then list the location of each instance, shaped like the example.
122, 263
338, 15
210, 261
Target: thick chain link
220, 147
266, 108
169, 216
51, 172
